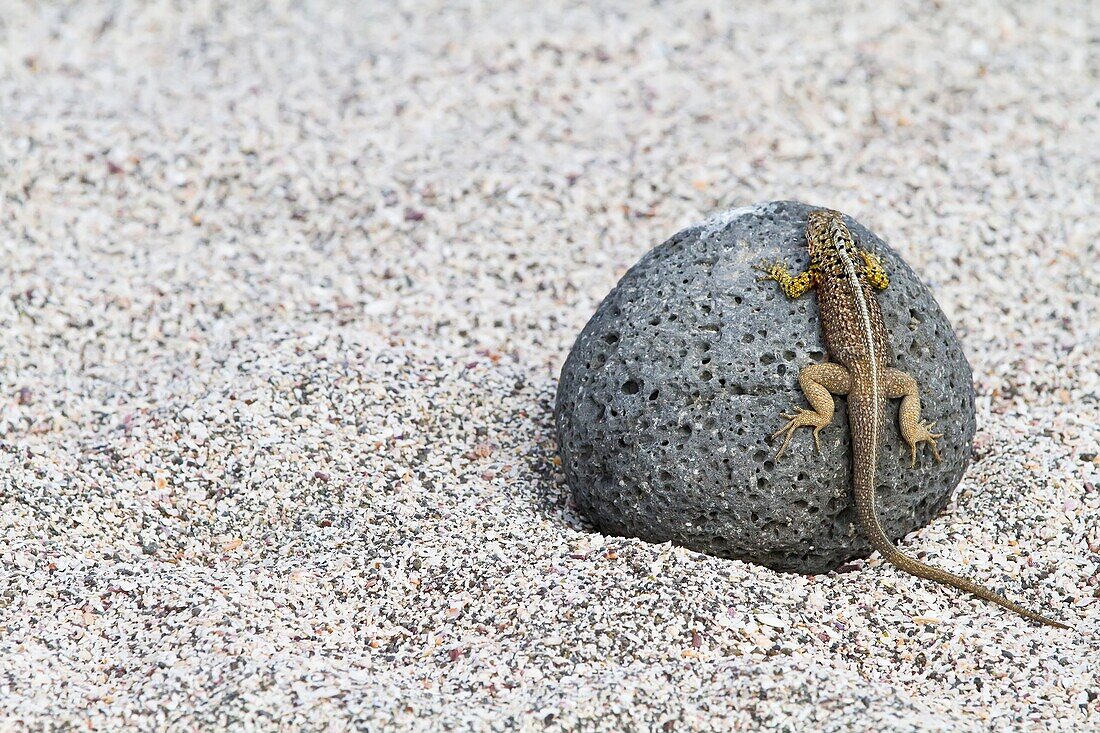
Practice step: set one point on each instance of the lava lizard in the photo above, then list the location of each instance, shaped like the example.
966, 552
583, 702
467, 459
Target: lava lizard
846, 278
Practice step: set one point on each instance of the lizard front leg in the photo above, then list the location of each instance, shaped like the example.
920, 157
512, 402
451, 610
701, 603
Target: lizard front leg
874, 270
915, 432
819, 382
793, 286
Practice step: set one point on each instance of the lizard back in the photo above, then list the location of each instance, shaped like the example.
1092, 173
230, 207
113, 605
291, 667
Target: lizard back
855, 334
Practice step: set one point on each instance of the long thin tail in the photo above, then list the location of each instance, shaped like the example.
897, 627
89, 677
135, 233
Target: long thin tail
865, 448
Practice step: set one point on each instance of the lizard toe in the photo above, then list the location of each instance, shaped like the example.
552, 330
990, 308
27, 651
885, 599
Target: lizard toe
817, 440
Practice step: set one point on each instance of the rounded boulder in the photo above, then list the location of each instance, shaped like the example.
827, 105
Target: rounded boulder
670, 393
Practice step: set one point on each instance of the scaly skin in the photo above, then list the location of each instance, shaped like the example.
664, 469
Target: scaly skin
846, 278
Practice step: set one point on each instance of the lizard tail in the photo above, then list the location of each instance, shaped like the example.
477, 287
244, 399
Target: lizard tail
865, 420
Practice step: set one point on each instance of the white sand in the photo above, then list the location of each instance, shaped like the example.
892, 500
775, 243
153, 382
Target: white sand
286, 293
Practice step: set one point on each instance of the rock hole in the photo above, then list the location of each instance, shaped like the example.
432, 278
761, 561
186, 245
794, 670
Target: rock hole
631, 387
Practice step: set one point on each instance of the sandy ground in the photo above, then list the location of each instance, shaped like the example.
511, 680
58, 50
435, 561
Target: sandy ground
287, 287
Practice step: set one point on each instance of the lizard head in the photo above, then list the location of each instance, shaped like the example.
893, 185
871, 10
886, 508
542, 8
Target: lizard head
830, 241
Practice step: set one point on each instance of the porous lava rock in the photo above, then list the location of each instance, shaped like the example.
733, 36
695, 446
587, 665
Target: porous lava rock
670, 393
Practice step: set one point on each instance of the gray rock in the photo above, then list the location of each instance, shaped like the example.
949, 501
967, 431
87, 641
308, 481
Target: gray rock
669, 395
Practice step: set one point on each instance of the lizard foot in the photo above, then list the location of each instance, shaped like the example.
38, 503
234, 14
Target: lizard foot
923, 434
802, 419
770, 271
793, 286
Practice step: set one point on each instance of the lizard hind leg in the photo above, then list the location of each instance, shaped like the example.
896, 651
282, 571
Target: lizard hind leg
913, 429
819, 382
